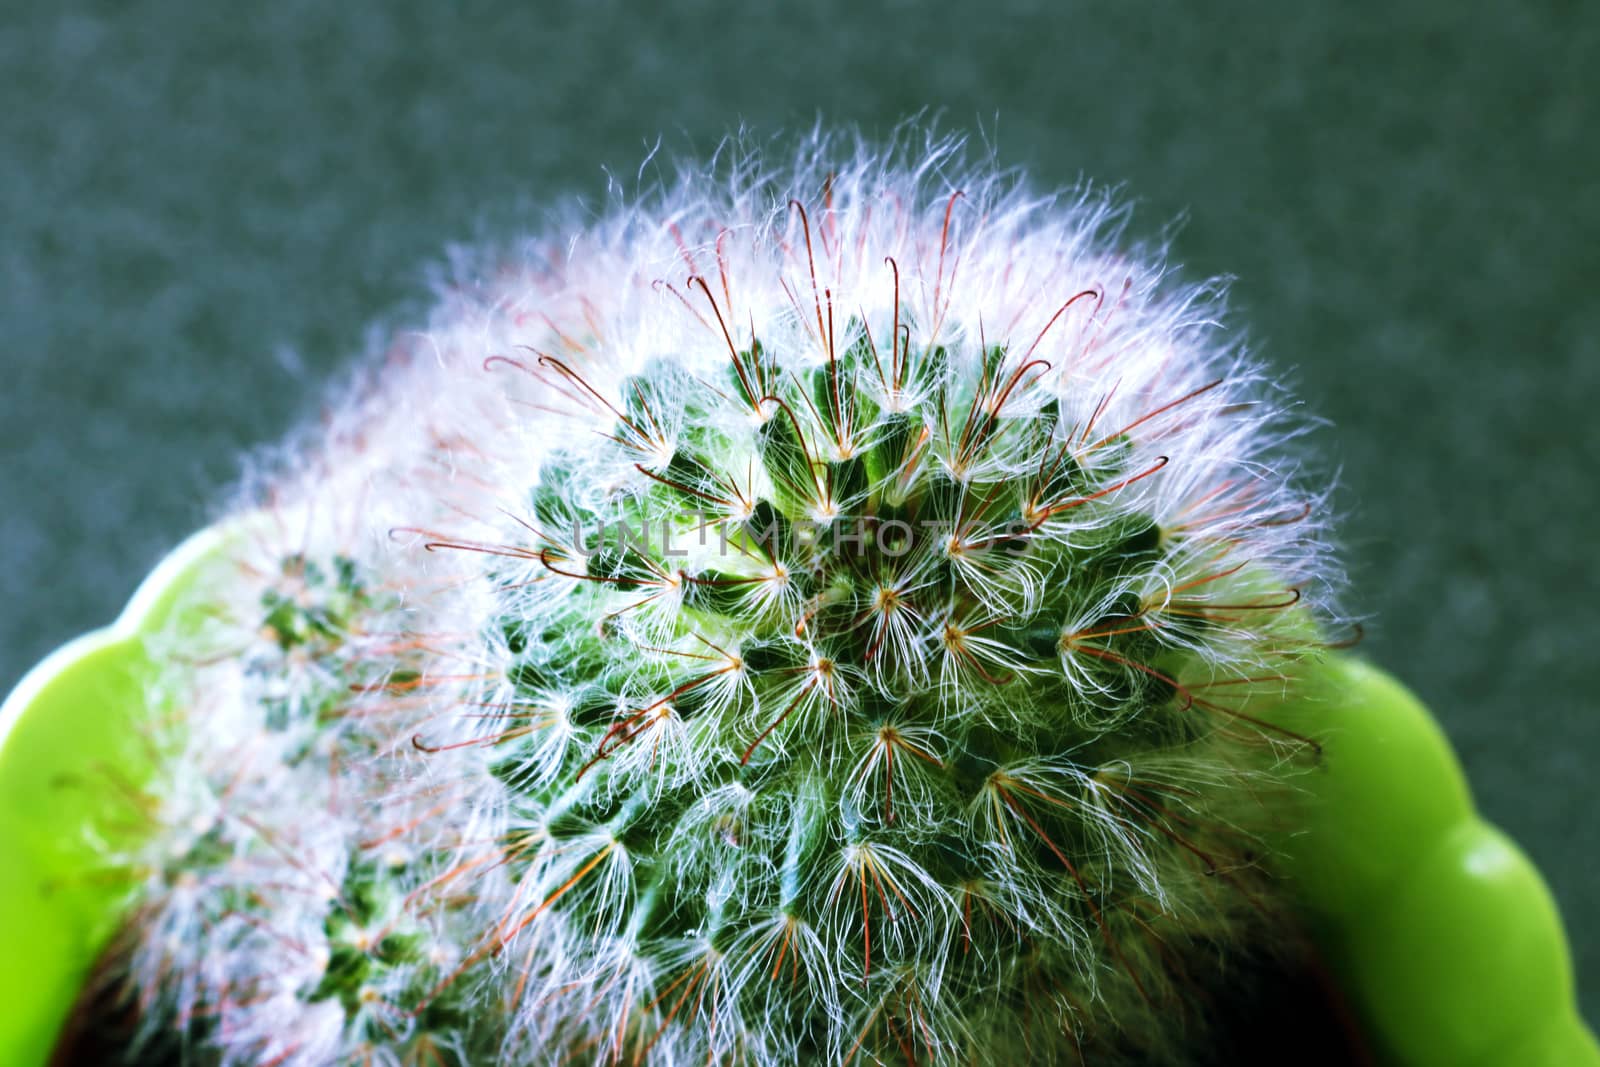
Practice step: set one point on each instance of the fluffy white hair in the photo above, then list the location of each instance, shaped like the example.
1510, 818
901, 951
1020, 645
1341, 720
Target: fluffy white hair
421, 477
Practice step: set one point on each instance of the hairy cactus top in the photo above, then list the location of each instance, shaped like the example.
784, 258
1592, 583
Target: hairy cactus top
812, 616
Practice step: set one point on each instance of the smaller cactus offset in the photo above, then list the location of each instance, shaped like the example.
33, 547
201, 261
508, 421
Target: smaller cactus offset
813, 615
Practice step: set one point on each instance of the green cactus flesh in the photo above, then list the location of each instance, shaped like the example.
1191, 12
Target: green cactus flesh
860, 744
881, 701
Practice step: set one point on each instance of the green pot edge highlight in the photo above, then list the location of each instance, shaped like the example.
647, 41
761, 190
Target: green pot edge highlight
1441, 931
69, 732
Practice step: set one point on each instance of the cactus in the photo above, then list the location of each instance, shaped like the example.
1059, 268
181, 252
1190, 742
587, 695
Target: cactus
812, 614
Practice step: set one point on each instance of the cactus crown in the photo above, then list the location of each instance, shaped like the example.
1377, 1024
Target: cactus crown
813, 629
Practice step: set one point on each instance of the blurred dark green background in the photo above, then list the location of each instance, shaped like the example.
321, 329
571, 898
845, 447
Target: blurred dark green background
201, 211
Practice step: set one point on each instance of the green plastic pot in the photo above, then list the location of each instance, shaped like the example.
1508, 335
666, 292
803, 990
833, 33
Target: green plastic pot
1445, 939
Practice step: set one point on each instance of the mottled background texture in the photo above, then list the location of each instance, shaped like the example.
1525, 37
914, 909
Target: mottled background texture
204, 206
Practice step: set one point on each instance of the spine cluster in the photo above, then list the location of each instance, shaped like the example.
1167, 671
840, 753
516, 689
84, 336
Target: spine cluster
817, 616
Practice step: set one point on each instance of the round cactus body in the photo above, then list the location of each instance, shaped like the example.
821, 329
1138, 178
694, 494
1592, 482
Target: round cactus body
809, 616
